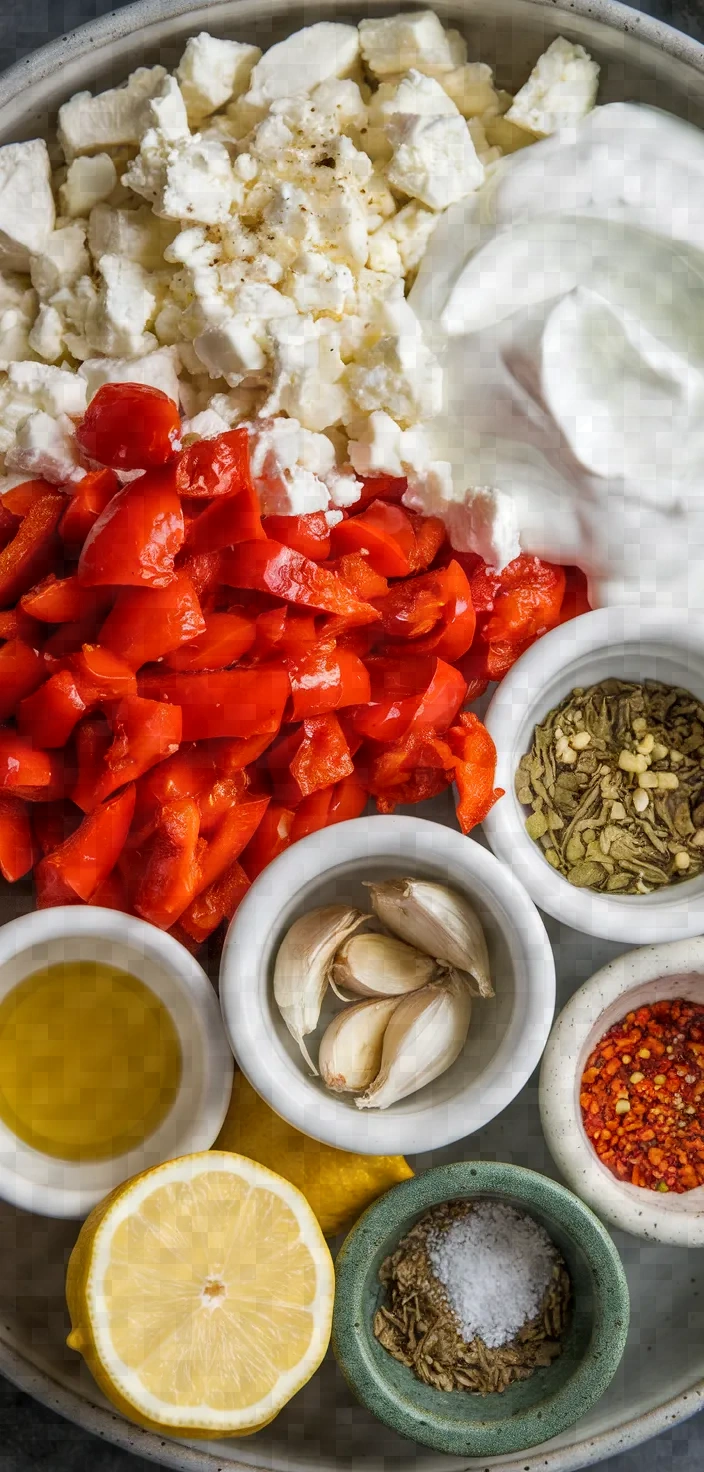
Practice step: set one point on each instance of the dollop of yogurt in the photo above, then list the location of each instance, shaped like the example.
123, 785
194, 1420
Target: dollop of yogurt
565, 301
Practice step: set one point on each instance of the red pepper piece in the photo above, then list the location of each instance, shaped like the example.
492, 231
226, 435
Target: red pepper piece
528, 603
21, 671
576, 598
188, 773
422, 694
89, 499
93, 739
135, 539
22, 498
349, 799
48, 717
111, 894
224, 638
435, 610
231, 755
384, 532
204, 569
314, 755
430, 534
271, 838
63, 601
217, 903
168, 883
229, 519
215, 467
273, 568
84, 861
129, 426
309, 534
223, 703
32, 551
53, 823
326, 679
16, 843
215, 802
144, 733
23, 765
231, 836
269, 628
475, 769
336, 804
14, 624
100, 675
356, 571
147, 623
382, 488
9, 524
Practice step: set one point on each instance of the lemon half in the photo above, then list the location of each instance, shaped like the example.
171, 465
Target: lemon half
201, 1295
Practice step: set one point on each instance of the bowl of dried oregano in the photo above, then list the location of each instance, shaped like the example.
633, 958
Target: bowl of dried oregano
480, 1309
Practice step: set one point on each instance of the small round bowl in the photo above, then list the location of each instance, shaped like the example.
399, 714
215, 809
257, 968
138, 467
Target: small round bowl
65, 1188
633, 980
625, 643
531, 1411
507, 1033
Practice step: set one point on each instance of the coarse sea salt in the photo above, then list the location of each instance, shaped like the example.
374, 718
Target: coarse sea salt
495, 1264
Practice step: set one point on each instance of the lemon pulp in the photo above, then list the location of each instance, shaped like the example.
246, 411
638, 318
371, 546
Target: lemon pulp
90, 1061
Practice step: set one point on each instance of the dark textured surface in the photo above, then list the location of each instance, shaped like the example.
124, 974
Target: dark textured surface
33, 1439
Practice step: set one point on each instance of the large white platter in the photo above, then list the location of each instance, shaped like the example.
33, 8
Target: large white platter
661, 1379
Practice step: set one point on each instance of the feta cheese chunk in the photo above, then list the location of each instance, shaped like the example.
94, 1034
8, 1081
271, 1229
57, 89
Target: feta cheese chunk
117, 321
303, 60
188, 179
157, 370
89, 180
419, 40
90, 124
231, 351
204, 425
27, 212
482, 520
560, 90
211, 72
47, 335
18, 308
344, 490
40, 386
376, 446
471, 88
285, 486
134, 234
434, 159
318, 285
399, 244
47, 448
307, 369
61, 261
399, 373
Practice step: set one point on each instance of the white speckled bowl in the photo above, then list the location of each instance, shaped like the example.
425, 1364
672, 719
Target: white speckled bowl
633, 980
628, 644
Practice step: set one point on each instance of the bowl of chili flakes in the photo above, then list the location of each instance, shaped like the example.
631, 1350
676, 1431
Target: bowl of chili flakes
622, 1092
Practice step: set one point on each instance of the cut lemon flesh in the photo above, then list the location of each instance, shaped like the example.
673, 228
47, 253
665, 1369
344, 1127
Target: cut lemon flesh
201, 1295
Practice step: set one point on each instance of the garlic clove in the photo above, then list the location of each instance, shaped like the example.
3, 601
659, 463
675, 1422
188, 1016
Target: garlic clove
437, 921
302, 966
349, 1058
372, 965
425, 1034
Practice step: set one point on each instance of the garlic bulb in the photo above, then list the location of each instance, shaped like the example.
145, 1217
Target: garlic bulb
373, 965
350, 1050
302, 966
425, 1034
437, 921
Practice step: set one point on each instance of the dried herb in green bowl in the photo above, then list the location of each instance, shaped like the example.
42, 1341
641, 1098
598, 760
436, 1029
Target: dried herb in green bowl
615, 783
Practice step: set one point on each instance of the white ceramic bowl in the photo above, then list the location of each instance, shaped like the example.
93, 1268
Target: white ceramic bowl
63, 1188
636, 979
629, 644
507, 1033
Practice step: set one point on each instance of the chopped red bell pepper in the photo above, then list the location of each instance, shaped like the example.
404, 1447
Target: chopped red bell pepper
422, 693
576, 599
475, 769
309, 534
84, 861
204, 569
216, 903
273, 568
335, 804
54, 822
93, 739
356, 571
215, 467
16, 843
14, 624
223, 639
430, 535
528, 602
144, 733
89, 499
271, 838
48, 717
223, 703
70, 638
326, 679
22, 670
101, 675
299, 634
313, 755
434, 610
381, 488
147, 623
231, 836
135, 539
20, 499
64, 601
226, 521
23, 765
168, 883
384, 532
33, 549
129, 426
111, 894
233, 753
216, 801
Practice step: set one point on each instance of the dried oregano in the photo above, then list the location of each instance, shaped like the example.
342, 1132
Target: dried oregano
417, 1325
615, 781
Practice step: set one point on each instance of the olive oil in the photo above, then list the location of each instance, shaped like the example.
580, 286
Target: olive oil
90, 1061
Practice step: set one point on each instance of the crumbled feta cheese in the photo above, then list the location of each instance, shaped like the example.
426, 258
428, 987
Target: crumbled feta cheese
55, 390
189, 179
343, 487
47, 335
285, 486
27, 212
134, 234
46, 447
419, 40
157, 370
203, 426
211, 72
89, 124
18, 308
375, 448
116, 322
434, 159
319, 285
471, 88
303, 60
88, 181
231, 351
485, 153
333, 518
419, 96
560, 90
165, 112
316, 453
307, 367
61, 261
235, 406
482, 520
403, 238
399, 373
341, 102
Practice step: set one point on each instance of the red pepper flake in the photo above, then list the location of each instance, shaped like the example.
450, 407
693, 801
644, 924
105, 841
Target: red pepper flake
646, 1125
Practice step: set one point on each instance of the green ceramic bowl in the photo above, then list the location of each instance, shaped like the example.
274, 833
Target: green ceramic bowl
531, 1411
